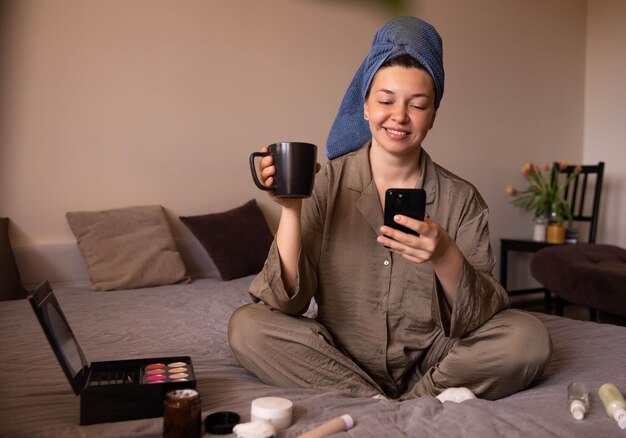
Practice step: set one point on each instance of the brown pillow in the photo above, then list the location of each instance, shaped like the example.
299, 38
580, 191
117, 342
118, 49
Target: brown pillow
127, 248
11, 287
237, 240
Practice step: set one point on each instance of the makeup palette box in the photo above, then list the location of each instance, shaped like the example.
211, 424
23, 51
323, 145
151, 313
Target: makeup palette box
116, 390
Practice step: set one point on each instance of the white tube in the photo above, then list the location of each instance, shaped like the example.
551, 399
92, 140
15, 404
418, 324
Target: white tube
336, 425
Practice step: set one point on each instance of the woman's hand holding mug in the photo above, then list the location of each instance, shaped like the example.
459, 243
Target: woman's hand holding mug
287, 171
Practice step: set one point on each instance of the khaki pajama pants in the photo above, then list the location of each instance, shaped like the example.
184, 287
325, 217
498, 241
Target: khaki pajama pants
499, 358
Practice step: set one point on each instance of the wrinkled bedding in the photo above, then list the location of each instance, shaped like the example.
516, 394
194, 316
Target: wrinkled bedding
36, 399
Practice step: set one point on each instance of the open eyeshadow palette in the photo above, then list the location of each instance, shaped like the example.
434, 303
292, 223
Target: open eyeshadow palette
114, 390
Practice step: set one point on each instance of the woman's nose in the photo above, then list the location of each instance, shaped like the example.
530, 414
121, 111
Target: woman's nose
400, 114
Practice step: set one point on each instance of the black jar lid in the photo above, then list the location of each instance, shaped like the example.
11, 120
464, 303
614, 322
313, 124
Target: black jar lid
221, 423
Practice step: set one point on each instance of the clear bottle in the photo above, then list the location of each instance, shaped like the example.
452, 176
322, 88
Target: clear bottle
614, 403
577, 400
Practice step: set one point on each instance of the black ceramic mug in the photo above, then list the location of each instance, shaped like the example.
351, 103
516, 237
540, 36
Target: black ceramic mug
295, 169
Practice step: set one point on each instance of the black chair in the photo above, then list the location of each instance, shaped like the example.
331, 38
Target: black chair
583, 210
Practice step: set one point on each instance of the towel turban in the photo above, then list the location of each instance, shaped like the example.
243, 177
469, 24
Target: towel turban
400, 36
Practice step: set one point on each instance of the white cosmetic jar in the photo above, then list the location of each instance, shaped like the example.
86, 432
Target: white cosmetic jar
278, 410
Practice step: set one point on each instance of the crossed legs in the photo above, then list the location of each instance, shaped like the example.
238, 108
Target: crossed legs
501, 357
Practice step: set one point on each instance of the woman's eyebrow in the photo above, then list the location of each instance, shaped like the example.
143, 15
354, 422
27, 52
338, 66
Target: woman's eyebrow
386, 91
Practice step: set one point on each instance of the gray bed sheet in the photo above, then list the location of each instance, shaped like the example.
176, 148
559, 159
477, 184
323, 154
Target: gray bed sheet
36, 399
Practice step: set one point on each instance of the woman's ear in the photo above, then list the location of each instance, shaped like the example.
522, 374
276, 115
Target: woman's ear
366, 112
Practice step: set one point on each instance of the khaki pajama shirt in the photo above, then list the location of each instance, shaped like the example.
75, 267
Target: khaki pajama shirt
383, 324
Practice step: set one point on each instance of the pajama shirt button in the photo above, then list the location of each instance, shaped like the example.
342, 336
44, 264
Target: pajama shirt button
386, 262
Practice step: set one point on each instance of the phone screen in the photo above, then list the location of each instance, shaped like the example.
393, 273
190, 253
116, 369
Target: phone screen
407, 202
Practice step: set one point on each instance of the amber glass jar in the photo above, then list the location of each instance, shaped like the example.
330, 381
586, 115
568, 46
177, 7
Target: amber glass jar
555, 233
181, 414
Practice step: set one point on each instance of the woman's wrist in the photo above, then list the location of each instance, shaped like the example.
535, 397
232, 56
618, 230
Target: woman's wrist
448, 267
288, 240
292, 207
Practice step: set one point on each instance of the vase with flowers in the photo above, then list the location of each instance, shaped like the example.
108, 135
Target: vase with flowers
545, 197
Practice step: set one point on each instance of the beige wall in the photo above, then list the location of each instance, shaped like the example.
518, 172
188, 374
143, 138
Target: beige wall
114, 103
605, 111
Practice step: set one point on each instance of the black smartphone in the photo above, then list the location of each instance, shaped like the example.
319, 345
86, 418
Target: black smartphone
407, 202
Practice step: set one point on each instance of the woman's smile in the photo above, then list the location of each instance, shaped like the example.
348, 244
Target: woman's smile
396, 133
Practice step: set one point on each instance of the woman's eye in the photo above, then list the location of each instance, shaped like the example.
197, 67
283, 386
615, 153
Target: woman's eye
384, 102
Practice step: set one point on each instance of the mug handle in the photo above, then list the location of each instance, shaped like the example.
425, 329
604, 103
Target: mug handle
253, 170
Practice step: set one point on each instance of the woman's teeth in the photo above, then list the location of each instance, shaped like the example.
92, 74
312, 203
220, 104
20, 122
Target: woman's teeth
394, 132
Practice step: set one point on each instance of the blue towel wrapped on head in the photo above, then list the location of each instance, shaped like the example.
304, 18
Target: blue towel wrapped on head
400, 36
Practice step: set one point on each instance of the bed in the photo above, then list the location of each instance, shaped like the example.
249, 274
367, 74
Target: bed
36, 399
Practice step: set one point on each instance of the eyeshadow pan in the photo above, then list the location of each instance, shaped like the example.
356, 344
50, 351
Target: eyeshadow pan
176, 364
156, 371
177, 370
179, 376
153, 366
156, 377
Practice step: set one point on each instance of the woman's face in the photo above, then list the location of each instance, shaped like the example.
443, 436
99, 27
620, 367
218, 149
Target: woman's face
400, 108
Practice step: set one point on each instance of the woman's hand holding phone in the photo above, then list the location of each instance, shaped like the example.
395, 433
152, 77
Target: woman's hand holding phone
406, 202
403, 218
406, 231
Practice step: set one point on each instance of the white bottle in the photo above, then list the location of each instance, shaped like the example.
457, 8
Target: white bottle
614, 403
577, 400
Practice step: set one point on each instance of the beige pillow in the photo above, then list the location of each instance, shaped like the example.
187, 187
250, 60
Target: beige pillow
127, 248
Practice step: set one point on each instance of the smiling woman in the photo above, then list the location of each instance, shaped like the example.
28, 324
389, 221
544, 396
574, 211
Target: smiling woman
400, 315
